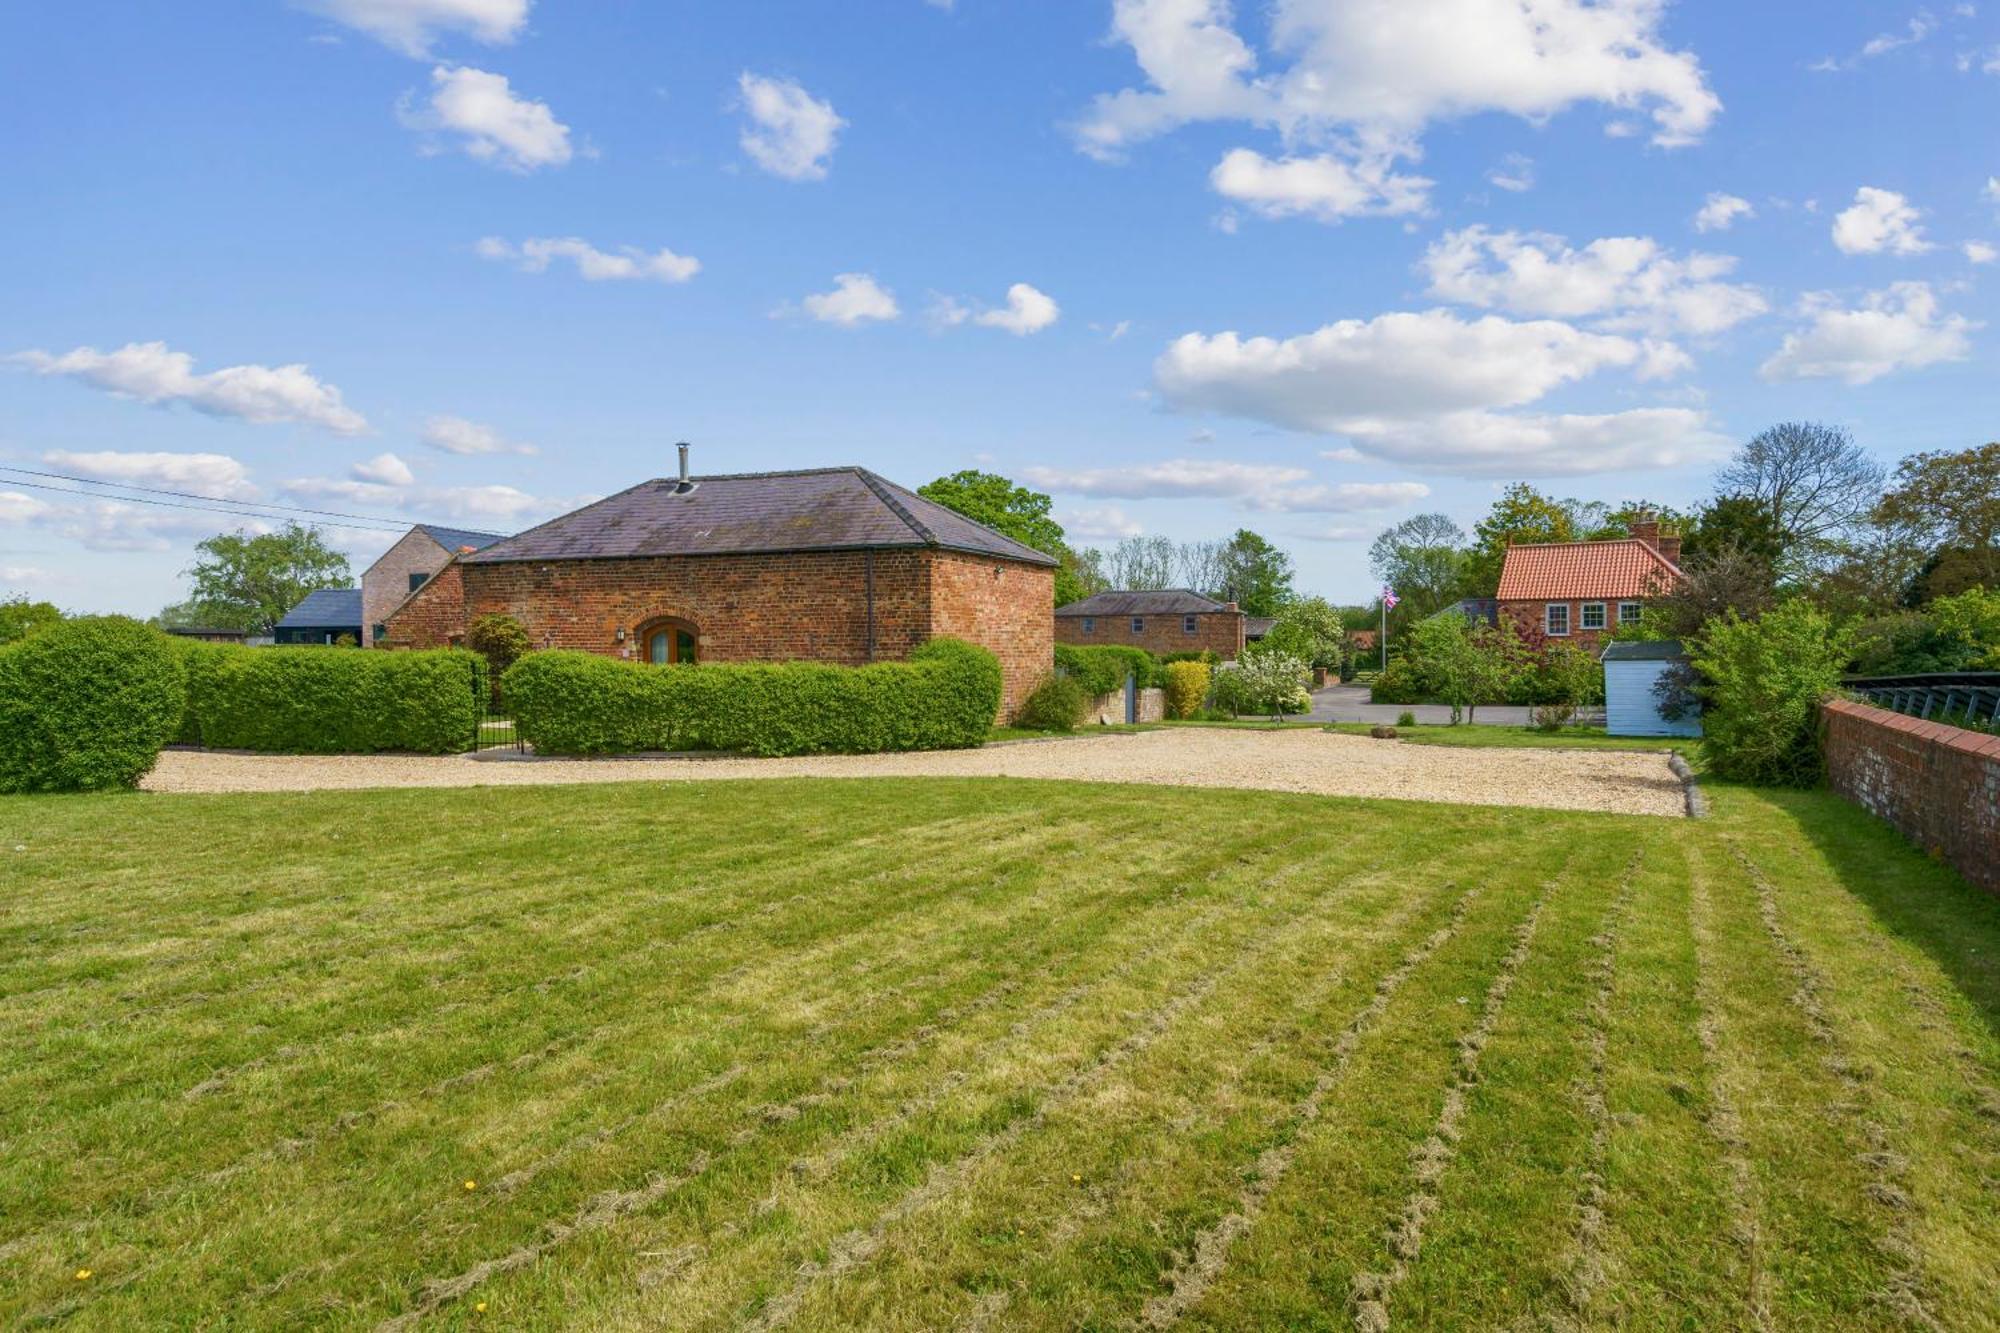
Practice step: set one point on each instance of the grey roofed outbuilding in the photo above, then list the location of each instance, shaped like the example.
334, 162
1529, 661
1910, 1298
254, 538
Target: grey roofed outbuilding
753, 513
1148, 602
453, 538
325, 608
1644, 650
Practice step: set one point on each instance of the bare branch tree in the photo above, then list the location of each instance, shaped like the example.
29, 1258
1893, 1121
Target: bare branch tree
1818, 484
1199, 566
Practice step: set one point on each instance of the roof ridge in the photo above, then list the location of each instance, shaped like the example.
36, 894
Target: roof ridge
881, 487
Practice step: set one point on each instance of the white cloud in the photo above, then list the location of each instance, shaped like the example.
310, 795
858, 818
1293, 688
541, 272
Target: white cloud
1105, 523
1027, 311
384, 470
496, 504
152, 373
1720, 212
1898, 328
1879, 220
629, 264
1625, 282
1337, 533
856, 299
216, 476
1323, 187
1265, 487
1382, 70
790, 132
456, 435
18, 508
1979, 252
1515, 172
410, 26
494, 125
1919, 27
1500, 444
112, 525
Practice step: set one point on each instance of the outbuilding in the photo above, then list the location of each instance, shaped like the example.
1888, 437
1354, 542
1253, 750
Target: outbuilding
326, 615
1631, 707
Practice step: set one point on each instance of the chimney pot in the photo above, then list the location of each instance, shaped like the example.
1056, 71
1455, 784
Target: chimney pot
683, 447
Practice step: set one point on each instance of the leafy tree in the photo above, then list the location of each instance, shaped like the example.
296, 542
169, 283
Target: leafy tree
1017, 512
1309, 628
1970, 623
1763, 680
1740, 523
1599, 523
1450, 665
1818, 485
1521, 514
1948, 504
254, 580
20, 617
1423, 559
1256, 575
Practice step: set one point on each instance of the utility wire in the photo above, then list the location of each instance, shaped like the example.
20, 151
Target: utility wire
211, 507
189, 495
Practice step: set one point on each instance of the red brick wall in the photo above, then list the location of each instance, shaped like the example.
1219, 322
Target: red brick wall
1530, 617
434, 615
1940, 785
1220, 632
1002, 606
386, 583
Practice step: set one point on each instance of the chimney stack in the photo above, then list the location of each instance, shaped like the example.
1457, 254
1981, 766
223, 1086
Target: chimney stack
683, 447
1646, 529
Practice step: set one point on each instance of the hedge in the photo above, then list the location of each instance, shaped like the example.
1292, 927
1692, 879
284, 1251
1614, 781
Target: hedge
1101, 668
86, 705
316, 700
945, 696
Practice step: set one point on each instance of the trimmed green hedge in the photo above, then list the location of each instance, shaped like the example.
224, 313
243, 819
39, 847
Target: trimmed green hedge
945, 696
85, 705
1101, 668
320, 700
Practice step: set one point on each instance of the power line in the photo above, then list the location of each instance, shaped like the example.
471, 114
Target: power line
189, 495
207, 508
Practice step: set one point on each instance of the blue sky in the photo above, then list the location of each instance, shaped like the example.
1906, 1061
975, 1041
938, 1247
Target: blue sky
1307, 267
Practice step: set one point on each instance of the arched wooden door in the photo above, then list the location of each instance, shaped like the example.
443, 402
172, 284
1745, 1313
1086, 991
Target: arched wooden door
669, 643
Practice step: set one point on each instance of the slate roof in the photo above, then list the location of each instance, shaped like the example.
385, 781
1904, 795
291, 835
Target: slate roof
1644, 650
1161, 602
1555, 571
453, 538
749, 513
325, 608
1256, 627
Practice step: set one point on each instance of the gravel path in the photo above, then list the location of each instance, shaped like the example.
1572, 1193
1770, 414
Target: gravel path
1299, 760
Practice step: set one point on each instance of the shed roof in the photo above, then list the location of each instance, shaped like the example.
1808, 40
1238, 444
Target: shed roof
747, 513
453, 538
1545, 571
325, 608
1143, 602
1644, 650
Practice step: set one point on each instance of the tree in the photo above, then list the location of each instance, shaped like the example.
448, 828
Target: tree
1741, 523
1423, 559
1721, 582
20, 617
1311, 629
1199, 566
1256, 575
1014, 511
1818, 485
1140, 564
1521, 514
244, 582
1947, 505
502, 641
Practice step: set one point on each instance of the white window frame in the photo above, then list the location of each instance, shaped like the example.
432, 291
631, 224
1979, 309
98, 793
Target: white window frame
1189, 625
1583, 616
1090, 624
1138, 624
1549, 620
1637, 609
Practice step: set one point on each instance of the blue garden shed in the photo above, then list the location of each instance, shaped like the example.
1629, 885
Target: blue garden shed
1631, 708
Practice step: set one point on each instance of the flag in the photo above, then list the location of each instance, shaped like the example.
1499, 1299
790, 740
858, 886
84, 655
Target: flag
1388, 598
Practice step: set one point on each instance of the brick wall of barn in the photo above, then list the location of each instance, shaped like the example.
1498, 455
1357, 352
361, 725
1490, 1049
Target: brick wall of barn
1940, 785
1219, 632
1000, 605
432, 617
386, 583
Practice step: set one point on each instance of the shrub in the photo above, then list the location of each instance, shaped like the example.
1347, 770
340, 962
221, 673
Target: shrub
310, 701
1406, 718
1057, 704
1102, 668
1560, 674
1187, 685
1399, 683
502, 641
1551, 717
1765, 678
86, 704
945, 696
1271, 681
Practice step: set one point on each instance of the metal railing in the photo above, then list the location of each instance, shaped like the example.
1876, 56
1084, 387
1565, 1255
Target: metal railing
1968, 699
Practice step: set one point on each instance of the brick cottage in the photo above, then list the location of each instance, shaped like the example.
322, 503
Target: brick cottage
828, 565
1578, 592
1169, 620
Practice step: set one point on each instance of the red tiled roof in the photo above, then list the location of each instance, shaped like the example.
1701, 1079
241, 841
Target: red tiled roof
1556, 571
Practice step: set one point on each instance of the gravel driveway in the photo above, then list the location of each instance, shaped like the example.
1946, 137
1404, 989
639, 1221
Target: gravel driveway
1297, 760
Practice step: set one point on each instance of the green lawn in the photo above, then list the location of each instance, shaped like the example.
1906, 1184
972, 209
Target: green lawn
1478, 735
987, 1054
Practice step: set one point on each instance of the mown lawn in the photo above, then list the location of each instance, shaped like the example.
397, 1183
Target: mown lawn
987, 1054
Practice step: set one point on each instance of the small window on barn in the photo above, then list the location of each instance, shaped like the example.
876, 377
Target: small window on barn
1187, 625
1138, 624
1556, 619
1090, 624
1628, 613
418, 580
1593, 615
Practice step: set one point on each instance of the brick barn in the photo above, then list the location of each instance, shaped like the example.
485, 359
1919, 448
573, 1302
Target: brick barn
828, 565
1169, 620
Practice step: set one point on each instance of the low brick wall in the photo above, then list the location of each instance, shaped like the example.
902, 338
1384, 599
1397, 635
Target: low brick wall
1940, 785
1152, 707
